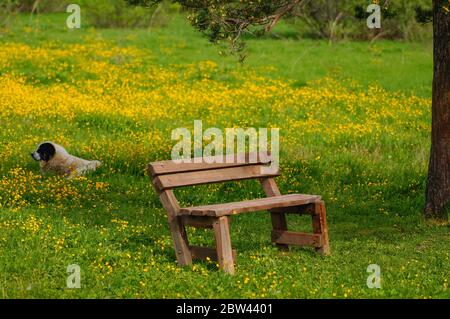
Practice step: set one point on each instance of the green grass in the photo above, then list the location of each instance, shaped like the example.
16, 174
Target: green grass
397, 66
373, 184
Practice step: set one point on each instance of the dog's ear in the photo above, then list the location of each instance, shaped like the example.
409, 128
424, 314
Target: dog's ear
46, 151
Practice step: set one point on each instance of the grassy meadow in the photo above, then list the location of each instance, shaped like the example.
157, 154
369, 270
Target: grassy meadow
354, 123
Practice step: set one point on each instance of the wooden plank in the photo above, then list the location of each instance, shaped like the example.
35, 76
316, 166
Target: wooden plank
198, 221
208, 163
209, 176
279, 221
307, 209
320, 227
296, 238
250, 205
223, 245
202, 253
176, 227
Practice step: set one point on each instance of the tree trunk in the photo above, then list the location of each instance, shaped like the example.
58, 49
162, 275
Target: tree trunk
438, 184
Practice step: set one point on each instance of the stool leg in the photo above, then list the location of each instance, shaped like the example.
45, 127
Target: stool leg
223, 244
319, 223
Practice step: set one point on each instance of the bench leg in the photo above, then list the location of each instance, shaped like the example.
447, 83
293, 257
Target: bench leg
180, 241
223, 244
279, 224
319, 223
278, 219
176, 227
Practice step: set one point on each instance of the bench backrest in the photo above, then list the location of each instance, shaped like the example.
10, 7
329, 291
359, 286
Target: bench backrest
204, 170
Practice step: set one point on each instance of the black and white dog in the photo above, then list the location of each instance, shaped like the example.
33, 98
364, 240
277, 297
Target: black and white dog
53, 158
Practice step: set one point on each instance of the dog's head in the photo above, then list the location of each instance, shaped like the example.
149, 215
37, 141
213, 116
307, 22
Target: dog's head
44, 152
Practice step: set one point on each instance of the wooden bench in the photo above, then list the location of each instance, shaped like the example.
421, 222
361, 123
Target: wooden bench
167, 175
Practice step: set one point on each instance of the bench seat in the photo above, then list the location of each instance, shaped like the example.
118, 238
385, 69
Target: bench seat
254, 205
